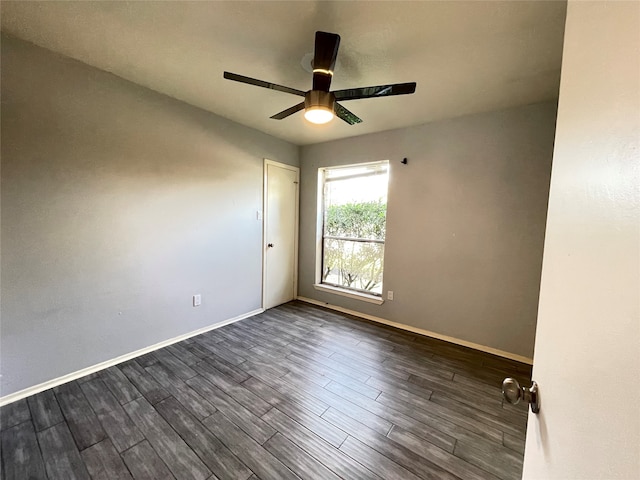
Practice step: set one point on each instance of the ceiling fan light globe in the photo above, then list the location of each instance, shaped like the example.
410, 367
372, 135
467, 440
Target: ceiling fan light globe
318, 115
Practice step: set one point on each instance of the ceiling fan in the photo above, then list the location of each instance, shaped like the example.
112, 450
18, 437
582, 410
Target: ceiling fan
320, 105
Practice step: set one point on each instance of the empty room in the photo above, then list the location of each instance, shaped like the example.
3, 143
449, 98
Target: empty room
319, 240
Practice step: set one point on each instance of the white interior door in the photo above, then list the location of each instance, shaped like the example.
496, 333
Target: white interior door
587, 355
281, 233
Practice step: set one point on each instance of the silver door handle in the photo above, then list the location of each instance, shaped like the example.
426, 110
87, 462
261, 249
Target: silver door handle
513, 393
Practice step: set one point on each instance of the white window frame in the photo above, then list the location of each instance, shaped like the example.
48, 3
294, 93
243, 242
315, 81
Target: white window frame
318, 285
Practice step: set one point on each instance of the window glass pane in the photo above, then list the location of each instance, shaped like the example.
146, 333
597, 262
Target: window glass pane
356, 206
356, 265
366, 169
354, 215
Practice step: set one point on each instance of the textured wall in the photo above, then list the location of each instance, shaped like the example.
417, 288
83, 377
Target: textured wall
118, 204
465, 223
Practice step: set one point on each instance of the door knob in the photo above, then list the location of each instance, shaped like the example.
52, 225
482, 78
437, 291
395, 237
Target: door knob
513, 393
270, 245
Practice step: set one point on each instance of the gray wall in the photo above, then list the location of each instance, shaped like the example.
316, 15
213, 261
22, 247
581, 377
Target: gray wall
465, 223
118, 204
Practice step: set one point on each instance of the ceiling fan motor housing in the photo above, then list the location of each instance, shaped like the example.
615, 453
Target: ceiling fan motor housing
319, 98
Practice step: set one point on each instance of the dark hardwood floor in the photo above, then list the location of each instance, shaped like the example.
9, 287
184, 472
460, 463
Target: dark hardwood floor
295, 392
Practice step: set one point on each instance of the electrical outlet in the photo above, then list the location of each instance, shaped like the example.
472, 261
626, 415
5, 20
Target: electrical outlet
197, 300
390, 295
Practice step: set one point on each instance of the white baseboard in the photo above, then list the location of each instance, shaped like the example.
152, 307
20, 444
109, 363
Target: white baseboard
114, 361
419, 331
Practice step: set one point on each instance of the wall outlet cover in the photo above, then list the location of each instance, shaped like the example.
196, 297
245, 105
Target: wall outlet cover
197, 300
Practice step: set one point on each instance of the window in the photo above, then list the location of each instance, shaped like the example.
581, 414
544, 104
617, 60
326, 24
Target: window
353, 212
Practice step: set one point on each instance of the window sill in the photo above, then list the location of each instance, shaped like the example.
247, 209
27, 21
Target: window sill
349, 293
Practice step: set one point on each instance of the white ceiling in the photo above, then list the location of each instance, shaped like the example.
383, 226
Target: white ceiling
466, 57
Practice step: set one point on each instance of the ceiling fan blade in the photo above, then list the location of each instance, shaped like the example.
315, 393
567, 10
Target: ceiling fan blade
324, 59
288, 111
260, 83
377, 91
346, 115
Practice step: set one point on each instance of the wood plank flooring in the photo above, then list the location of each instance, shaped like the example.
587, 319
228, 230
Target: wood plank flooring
295, 392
